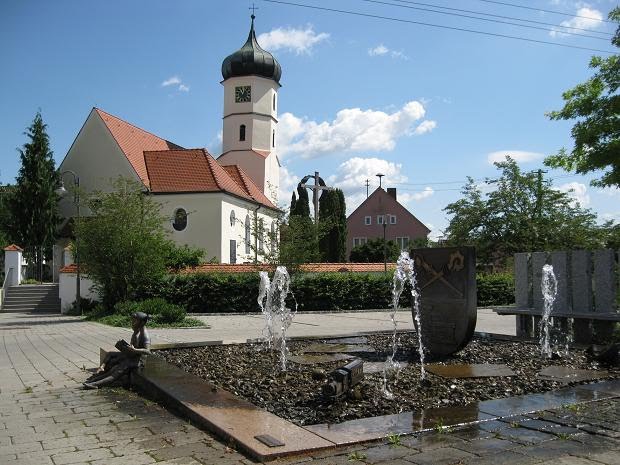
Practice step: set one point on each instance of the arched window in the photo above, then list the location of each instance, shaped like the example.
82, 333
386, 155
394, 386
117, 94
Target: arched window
180, 219
273, 138
242, 132
273, 236
261, 229
248, 234
274, 102
232, 218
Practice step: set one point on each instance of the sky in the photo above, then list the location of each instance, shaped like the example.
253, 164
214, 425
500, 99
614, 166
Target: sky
426, 105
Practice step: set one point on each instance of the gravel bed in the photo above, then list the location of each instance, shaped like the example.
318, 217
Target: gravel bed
252, 372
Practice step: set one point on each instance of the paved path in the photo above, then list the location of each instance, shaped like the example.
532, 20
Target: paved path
45, 418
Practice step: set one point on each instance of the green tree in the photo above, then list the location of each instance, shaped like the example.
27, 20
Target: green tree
523, 213
123, 247
33, 204
301, 206
595, 104
332, 215
372, 251
5, 215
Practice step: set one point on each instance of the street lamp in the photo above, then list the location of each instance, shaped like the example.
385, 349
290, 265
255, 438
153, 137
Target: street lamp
62, 192
384, 245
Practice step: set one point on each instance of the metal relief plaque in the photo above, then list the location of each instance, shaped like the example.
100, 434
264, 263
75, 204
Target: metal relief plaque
447, 284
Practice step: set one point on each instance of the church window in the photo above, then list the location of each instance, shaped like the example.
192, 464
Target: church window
248, 234
180, 219
274, 102
261, 242
242, 132
232, 218
273, 138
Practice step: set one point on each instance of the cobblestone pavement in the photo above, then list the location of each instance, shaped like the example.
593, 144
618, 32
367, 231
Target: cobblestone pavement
45, 418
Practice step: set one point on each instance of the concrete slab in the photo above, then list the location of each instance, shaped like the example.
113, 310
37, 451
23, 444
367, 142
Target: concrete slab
471, 370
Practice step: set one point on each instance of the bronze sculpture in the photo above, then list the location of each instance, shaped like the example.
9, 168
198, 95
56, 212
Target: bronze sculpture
129, 357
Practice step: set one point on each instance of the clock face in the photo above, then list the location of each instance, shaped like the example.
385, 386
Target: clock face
243, 94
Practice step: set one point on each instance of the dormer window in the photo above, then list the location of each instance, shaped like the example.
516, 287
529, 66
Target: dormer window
242, 132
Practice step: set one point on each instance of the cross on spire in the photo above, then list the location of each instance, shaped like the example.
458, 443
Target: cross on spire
253, 8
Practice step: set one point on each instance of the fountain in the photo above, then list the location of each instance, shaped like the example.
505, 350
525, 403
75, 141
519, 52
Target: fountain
278, 317
404, 273
549, 288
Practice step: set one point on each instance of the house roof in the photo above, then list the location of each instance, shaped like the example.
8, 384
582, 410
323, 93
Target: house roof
165, 167
195, 170
389, 198
133, 141
13, 248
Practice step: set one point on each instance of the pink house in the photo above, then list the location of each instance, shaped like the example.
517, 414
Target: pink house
367, 221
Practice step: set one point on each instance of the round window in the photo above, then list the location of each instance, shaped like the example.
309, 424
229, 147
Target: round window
232, 218
180, 219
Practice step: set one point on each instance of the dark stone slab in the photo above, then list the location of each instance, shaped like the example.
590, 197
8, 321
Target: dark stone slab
559, 260
447, 284
226, 415
377, 367
367, 429
348, 340
305, 359
338, 348
539, 259
522, 281
568, 375
603, 388
520, 405
483, 370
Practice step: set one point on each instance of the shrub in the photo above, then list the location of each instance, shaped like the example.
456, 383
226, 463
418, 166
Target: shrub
178, 258
495, 289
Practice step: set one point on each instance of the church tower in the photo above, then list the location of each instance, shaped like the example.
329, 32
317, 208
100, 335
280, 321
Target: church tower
249, 138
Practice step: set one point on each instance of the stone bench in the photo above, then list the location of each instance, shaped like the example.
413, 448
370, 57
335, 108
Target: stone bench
587, 284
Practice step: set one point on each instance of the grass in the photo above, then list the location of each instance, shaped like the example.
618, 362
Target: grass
124, 321
393, 439
573, 407
564, 436
515, 424
440, 428
357, 456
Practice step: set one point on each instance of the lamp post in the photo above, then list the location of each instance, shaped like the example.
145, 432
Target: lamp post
384, 246
62, 192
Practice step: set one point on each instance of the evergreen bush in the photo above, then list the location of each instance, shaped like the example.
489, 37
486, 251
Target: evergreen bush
495, 289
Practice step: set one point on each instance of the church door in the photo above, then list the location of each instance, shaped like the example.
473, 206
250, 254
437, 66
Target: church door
233, 251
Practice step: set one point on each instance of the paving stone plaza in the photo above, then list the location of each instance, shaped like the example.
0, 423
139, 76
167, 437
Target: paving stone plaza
46, 418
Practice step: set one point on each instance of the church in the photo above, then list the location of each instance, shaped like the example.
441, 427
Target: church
225, 205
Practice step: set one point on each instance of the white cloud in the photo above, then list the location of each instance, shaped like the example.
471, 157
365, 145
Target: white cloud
381, 49
611, 216
378, 50
585, 18
353, 130
288, 182
173, 81
424, 127
517, 155
176, 81
611, 191
405, 197
300, 41
577, 191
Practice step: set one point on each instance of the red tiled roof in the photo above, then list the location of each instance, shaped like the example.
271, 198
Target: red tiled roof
13, 248
262, 153
243, 180
306, 267
195, 170
133, 141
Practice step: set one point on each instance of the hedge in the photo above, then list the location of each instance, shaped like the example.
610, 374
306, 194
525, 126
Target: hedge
495, 289
223, 293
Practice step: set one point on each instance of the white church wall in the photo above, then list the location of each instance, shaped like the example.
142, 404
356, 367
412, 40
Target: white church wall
203, 220
262, 133
237, 232
96, 158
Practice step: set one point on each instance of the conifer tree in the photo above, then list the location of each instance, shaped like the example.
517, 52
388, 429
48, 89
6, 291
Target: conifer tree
332, 214
33, 204
302, 205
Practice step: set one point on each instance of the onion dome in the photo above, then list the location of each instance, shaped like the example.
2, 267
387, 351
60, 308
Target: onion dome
251, 60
